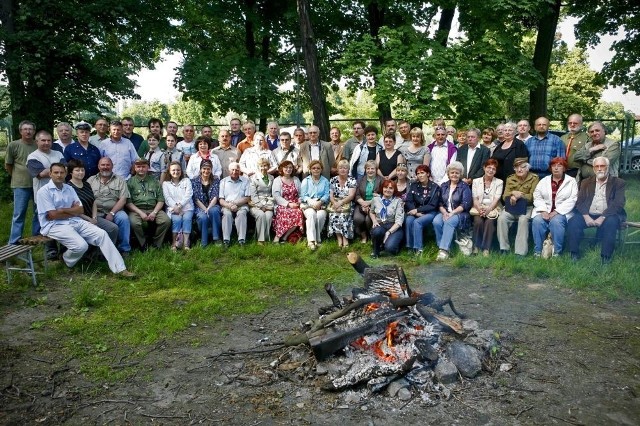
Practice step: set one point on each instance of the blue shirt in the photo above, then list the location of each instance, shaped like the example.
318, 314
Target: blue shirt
89, 157
50, 198
311, 190
121, 153
231, 190
542, 151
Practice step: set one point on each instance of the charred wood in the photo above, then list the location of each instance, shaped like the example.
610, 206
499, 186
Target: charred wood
333, 295
432, 315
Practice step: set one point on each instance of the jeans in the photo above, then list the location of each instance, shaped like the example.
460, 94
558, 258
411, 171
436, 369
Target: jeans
445, 230
556, 226
182, 222
124, 231
21, 197
211, 219
414, 229
392, 245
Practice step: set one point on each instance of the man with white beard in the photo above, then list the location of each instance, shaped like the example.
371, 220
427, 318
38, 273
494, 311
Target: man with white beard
600, 204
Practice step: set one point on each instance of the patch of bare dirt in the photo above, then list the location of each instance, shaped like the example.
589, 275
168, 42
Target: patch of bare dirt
575, 361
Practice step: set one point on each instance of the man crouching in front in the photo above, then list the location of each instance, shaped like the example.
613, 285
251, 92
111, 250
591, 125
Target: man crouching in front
59, 210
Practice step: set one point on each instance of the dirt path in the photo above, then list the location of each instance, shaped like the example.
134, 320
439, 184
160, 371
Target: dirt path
575, 362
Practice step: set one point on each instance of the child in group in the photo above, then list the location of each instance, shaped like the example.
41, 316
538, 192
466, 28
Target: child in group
155, 156
172, 153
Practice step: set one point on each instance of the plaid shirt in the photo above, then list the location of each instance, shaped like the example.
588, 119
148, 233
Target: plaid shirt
542, 151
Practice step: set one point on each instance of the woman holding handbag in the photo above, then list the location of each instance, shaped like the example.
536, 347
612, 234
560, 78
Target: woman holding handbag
486, 191
261, 202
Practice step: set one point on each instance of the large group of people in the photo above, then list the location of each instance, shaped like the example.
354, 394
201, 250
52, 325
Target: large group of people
116, 189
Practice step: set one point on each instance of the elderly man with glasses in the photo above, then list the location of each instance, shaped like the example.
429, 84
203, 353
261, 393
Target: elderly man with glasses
315, 149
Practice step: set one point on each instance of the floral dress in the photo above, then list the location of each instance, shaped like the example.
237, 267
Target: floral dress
286, 217
341, 223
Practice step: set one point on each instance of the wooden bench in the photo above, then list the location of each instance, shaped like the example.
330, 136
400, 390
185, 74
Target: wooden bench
628, 229
24, 247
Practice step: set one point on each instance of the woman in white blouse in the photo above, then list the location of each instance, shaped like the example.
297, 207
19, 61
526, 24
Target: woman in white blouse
178, 198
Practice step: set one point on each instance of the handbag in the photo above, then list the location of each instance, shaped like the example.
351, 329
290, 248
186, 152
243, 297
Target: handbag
345, 208
493, 214
547, 247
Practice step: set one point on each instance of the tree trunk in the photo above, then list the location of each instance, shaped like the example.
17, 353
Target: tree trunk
320, 114
375, 16
541, 60
444, 26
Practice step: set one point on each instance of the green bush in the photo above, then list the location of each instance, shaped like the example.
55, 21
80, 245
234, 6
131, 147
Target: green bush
5, 183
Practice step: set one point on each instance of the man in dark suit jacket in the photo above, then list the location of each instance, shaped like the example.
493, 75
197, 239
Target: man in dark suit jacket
600, 204
476, 153
315, 149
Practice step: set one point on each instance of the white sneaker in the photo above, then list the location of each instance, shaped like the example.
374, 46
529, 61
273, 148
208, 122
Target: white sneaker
442, 255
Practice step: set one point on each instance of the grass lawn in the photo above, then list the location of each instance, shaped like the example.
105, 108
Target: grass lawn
173, 291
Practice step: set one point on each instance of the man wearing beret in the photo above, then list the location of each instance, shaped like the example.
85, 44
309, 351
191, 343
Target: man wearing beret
145, 205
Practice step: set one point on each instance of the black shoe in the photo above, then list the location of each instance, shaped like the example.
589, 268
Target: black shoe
241, 242
575, 257
605, 260
504, 252
374, 255
52, 255
226, 244
125, 254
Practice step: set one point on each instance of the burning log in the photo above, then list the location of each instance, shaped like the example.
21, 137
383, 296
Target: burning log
385, 329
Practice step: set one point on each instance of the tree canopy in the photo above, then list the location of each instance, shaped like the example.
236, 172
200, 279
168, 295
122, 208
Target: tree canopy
64, 56
246, 55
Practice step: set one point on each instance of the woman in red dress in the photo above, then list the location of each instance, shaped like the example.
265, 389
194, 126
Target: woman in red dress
286, 194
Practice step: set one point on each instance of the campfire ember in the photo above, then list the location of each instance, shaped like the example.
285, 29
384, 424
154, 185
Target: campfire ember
385, 331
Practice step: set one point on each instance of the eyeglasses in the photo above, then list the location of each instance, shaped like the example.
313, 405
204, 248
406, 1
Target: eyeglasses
312, 133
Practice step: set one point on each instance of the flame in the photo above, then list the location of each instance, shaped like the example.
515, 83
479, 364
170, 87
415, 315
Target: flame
360, 343
391, 333
371, 307
378, 350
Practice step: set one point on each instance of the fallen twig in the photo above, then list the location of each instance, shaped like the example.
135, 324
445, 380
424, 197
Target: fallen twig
567, 420
106, 401
41, 360
524, 410
611, 337
524, 389
160, 416
530, 323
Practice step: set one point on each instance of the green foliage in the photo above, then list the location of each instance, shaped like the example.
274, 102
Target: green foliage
188, 112
600, 18
573, 86
236, 54
6, 195
82, 55
142, 112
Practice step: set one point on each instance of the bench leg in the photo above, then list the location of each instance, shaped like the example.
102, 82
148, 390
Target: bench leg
33, 270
